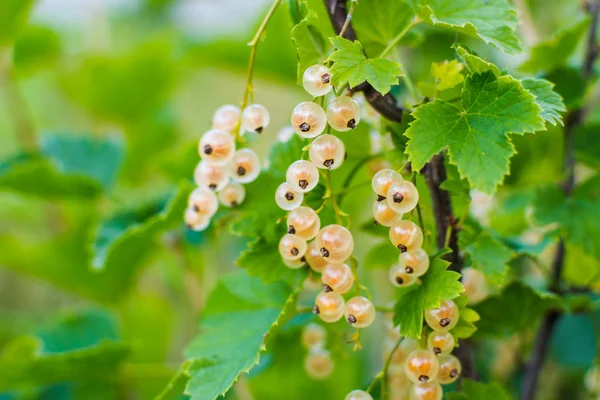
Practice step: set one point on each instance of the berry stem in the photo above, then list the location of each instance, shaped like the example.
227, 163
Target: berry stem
383, 373
574, 120
394, 42
329, 194
353, 4
248, 91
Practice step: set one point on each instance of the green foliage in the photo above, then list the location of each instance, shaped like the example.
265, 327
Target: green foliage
307, 37
382, 255
352, 67
587, 145
472, 390
466, 326
36, 47
239, 314
475, 132
436, 285
13, 15
548, 100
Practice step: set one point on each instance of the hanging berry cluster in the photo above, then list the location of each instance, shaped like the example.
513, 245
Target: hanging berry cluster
223, 169
333, 244
318, 362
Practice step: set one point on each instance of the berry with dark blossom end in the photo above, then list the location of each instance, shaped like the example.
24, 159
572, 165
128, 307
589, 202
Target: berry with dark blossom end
336, 243
302, 176
360, 312
402, 196
414, 262
440, 342
330, 306
316, 80
343, 113
211, 176
255, 118
383, 180
308, 120
232, 195
383, 214
216, 147
443, 318
399, 277
450, 369
337, 278
287, 198
245, 166
421, 366
406, 235
303, 222
327, 152
292, 247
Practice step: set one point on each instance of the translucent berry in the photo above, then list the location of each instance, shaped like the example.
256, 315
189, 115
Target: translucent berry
255, 118
303, 222
317, 80
329, 306
402, 197
383, 214
287, 198
292, 247
327, 152
414, 262
226, 118
358, 395
313, 336
440, 342
399, 277
318, 364
443, 318
314, 259
383, 180
210, 176
302, 176
293, 264
406, 235
245, 166
337, 278
308, 119
476, 288
216, 147
203, 201
232, 195
450, 369
343, 113
196, 221
427, 391
335, 243
359, 312
421, 366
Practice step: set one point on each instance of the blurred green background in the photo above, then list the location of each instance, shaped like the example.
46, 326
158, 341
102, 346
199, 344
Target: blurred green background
92, 254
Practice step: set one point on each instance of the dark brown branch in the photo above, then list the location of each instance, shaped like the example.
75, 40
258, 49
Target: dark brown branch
385, 105
573, 121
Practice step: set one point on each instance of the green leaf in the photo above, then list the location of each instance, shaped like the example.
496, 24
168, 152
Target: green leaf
446, 74
310, 45
176, 385
549, 101
68, 166
493, 21
475, 63
465, 328
587, 145
240, 312
475, 132
13, 16
23, 365
382, 255
436, 285
550, 54
517, 308
36, 47
488, 254
472, 390
351, 66
125, 239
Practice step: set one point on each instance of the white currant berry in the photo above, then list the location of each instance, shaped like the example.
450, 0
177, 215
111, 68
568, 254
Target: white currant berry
303, 222
335, 243
358, 395
421, 366
359, 312
232, 195
216, 147
314, 259
383, 214
399, 277
287, 198
313, 336
226, 117
476, 288
329, 306
308, 119
443, 318
426, 391
213, 177
203, 201
292, 247
255, 118
402, 197
383, 180
318, 364
327, 152
245, 166
293, 264
316, 80
414, 262
440, 342
450, 369
302, 176
406, 235
343, 113
196, 221
337, 278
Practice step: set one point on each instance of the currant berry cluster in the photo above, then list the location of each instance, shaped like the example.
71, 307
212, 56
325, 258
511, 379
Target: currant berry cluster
318, 363
333, 244
223, 169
